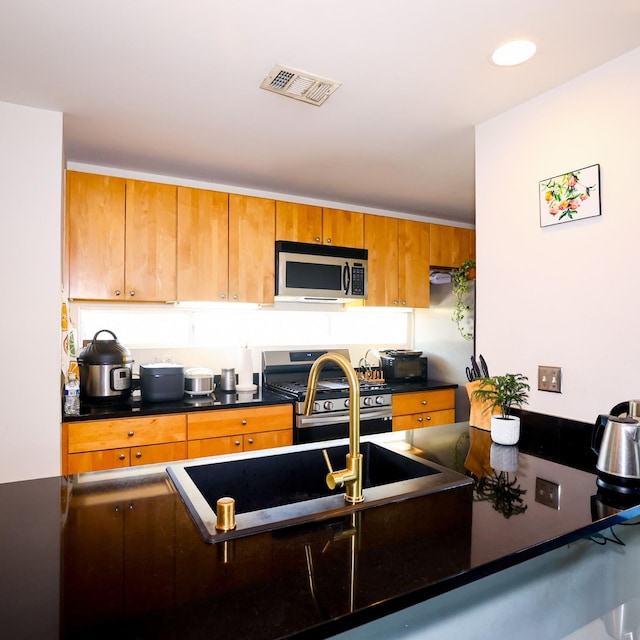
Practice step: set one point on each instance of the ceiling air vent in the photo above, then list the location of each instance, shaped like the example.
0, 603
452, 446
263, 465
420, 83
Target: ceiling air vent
299, 85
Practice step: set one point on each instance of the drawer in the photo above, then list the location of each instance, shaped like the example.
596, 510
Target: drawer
268, 440
423, 401
232, 444
97, 435
233, 422
419, 420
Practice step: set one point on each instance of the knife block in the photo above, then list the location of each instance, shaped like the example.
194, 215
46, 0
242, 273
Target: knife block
480, 410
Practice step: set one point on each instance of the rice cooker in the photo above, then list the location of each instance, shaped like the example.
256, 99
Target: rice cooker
105, 369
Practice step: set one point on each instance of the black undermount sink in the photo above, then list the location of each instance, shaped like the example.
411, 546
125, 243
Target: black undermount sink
285, 487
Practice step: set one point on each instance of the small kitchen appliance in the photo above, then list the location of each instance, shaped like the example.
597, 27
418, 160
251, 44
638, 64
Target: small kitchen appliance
287, 372
320, 273
403, 364
105, 370
618, 451
198, 381
161, 382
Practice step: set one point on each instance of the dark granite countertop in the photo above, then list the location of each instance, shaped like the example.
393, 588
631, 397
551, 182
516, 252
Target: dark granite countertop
134, 406
116, 554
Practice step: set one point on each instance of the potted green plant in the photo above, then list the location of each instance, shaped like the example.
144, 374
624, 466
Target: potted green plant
504, 392
460, 281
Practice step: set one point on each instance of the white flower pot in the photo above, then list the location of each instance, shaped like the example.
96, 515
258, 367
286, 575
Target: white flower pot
504, 457
505, 430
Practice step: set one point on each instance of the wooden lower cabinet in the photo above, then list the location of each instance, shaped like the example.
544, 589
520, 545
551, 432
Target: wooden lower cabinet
423, 409
212, 433
94, 445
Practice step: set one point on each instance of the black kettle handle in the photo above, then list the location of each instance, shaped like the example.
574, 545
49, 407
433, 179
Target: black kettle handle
619, 409
597, 428
102, 331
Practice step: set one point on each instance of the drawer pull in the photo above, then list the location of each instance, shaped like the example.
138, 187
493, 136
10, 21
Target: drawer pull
424, 402
131, 434
244, 422
121, 456
428, 418
237, 443
139, 454
251, 440
420, 419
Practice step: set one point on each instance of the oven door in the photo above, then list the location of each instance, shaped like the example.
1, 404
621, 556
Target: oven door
336, 425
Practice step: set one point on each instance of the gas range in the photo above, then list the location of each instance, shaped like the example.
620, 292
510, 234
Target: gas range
288, 372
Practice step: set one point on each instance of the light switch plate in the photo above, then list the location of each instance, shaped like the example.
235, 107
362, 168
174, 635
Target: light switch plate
550, 379
548, 493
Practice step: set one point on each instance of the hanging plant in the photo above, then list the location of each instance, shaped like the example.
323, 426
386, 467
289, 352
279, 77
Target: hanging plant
460, 280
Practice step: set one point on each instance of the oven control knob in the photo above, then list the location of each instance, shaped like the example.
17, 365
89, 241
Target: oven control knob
316, 407
379, 400
346, 403
328, 405
368, 401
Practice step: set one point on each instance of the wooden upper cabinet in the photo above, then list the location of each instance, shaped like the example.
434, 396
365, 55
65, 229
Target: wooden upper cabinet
381, 241
317, 225
298, 222
398, 262
252, 234
451, 246
95, 236
413, 263
203, 239
343, 228
150, 249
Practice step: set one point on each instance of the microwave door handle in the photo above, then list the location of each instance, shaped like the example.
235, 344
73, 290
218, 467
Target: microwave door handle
346, 278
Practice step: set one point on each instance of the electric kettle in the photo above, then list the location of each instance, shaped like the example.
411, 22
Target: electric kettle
619, 449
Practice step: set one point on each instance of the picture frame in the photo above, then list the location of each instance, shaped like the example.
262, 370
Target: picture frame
570, 196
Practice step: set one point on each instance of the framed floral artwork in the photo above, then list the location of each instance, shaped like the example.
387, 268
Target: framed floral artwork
571, 196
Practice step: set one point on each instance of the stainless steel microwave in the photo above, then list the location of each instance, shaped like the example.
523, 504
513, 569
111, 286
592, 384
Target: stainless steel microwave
320, 273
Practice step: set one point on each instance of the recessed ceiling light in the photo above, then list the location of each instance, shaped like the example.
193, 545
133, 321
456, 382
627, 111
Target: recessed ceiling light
514, 52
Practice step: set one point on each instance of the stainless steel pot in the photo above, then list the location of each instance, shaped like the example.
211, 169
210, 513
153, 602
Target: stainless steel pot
105, 369
198, 381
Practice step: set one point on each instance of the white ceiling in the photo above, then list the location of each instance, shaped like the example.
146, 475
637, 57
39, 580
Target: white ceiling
171, 87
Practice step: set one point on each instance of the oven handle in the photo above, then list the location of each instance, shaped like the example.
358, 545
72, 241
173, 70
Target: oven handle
302, 422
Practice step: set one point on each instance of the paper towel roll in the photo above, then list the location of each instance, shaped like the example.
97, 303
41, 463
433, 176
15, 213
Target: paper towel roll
245, 371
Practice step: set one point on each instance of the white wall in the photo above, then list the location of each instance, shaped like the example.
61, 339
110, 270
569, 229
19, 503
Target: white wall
564, 295
31, 158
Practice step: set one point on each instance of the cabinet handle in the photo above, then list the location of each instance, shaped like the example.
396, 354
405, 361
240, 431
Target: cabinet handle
250, 440
131, 434
395, 302
404, 302
132, 293
428, 418
223, 296
244, 422
118, 292
420, 419
139, 454
121, 456
237, 443
328, 240
317, 239
235, 296
424, 402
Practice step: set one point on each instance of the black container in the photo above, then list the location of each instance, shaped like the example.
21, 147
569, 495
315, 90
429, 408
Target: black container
403, 366
161, 382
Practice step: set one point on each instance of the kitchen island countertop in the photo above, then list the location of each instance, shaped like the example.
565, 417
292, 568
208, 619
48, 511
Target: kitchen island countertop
117, 554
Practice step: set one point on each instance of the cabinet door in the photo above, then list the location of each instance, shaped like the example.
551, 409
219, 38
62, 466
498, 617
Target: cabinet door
298, 222
343, 228
154, 453
98, 460
95, 235
413, 263
451, 246
267, 440
252, 231
203, 245
381, 240
423, 401
150, 249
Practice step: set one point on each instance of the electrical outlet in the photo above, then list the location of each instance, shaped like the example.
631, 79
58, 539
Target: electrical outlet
548, 493
550, 379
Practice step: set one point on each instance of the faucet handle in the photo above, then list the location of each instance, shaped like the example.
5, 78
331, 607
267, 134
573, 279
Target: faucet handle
326, 459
